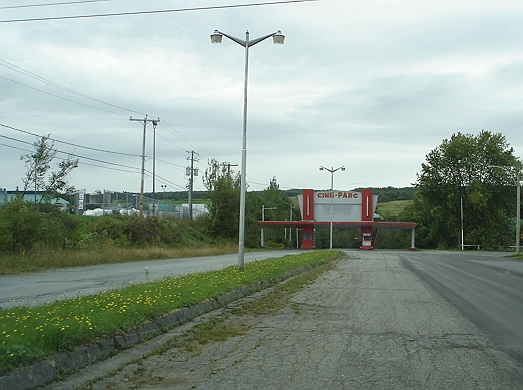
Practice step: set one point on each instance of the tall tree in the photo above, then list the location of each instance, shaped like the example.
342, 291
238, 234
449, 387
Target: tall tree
460, 191
279, 206
38, 170
223, 186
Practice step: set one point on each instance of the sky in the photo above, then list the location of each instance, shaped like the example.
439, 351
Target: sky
372, 85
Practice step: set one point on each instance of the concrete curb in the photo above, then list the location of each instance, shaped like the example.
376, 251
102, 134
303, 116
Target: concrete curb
52, 369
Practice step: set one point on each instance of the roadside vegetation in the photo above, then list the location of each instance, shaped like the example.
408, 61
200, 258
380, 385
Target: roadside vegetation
467, 184
36, 237
30, 334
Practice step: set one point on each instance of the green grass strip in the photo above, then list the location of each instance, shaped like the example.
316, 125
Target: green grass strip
30, 334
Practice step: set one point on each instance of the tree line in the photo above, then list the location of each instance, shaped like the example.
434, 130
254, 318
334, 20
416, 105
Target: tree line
464, 194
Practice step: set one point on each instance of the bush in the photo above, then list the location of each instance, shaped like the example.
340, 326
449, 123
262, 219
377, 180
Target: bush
19, 225
25, 225
153, 230
108, 230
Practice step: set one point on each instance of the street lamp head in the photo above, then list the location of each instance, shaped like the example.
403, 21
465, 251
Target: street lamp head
216, 37
321, 168
278, 38
342, 168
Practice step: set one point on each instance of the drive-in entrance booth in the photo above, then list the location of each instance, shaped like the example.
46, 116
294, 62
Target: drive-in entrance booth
342, 209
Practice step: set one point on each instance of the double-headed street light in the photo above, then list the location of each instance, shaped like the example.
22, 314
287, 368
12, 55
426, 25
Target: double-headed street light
216, 37
331, 170
518, 204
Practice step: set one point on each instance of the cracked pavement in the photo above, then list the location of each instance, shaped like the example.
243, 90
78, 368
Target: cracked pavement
367, 324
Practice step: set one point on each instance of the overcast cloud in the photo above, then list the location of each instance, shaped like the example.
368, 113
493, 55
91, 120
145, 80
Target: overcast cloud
371, 85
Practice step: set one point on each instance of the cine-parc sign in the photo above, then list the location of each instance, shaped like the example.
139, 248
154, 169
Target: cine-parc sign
337, 195
341, 209
337, 206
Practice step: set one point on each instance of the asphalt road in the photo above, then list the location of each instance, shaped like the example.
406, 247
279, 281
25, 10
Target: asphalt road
486, 287
39, 288
379, 320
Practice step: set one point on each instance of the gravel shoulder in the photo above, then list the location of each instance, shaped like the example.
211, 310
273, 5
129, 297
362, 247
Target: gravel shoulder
369, 323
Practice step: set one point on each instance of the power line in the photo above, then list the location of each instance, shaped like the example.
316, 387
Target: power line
72, 154
114, 166
149, 175
61, 97
69, 143
52, 4
154, 12
170, 163
84, 147
184, 138
82, 162
56, 85
69, 90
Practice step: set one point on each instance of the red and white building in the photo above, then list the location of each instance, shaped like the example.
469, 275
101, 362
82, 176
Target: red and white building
342, 209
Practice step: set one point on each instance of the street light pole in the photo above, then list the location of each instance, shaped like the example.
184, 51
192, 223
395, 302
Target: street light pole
331, 170
216, 37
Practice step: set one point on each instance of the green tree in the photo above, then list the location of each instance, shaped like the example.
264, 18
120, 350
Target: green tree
279, 206
25, 225
38, 171
458, 175
223, 187
253, 205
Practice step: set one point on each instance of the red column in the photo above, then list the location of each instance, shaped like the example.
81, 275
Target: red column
367, 214
367, 209
307, 238
308, 205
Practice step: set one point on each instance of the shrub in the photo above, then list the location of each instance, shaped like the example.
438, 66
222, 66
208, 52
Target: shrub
25, 225
20, 224
153, 230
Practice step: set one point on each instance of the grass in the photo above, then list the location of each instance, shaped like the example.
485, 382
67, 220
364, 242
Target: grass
41, 260
30, 334
392, 208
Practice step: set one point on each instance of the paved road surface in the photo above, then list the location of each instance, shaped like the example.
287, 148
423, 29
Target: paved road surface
486, 288
39, 288
371, 323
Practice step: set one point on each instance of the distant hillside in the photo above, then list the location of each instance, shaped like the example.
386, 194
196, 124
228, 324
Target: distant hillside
385, 194
389, 194
390, 210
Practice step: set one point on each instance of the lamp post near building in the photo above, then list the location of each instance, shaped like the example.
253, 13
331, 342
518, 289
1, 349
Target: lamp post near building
331, 170
216, 37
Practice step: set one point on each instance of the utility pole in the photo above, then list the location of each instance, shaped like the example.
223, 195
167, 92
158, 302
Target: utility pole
144, 121
229, 165
191, 172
